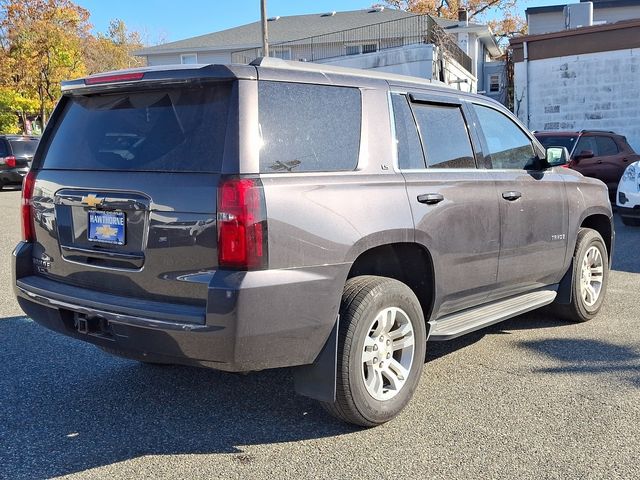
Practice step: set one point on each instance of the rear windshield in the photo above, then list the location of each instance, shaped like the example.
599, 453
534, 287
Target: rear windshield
567, 142
173, 130
24, 148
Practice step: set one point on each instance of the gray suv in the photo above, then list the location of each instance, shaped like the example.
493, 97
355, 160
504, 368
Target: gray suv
283, 214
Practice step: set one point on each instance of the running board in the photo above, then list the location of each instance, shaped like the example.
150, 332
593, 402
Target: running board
457, 324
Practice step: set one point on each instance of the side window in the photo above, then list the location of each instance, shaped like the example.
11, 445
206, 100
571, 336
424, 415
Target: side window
586, 144
508, 145
606, 146
445, 138
408, 143
3, 149
308, 128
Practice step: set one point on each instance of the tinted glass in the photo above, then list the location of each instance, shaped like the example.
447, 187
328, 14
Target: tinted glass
586, 144
606, 146
409, 150
567, 142
308, 128
508, 146
24, 148
444, 136
3, 149
169, 130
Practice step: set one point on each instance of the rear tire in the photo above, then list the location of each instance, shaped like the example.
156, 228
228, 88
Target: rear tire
590, 278
381, 350
630, 222
133, 356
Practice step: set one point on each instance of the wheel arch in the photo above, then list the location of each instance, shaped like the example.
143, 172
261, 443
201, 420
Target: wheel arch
407, 262
602, 224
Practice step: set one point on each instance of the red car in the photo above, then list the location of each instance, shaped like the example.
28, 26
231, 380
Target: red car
594, 153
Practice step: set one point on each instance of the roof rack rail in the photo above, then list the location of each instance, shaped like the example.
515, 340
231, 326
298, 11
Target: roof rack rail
589, 130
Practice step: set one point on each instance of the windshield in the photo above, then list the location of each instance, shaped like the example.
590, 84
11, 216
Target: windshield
558, 141
24, 147
173, 130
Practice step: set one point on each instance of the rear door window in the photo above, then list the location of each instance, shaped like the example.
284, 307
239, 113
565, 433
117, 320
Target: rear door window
3, 149
606, 146
445, 139
174, 130
308, 128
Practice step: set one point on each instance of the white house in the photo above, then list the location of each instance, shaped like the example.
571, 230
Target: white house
380, 38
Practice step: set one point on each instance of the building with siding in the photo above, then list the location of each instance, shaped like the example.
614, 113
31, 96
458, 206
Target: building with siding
378, 38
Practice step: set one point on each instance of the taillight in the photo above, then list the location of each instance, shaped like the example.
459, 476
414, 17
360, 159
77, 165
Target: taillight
242, 224
26, 211
10, 161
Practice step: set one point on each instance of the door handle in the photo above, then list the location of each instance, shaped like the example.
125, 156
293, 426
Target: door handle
511, 195
430, 198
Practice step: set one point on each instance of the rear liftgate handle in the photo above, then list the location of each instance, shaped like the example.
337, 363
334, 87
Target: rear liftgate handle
511, 195
430, 198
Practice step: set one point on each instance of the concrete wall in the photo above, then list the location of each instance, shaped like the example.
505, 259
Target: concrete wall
416, 60
590, 91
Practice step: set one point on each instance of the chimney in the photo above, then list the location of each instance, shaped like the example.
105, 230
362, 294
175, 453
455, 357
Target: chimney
463, 17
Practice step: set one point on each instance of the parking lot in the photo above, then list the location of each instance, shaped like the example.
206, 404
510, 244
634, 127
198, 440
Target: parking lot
534, 397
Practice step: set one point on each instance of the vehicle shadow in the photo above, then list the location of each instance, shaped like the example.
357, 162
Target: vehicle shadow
68, 407
587, 356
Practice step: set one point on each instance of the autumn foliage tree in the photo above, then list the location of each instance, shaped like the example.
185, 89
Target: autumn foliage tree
43, 42
505, 21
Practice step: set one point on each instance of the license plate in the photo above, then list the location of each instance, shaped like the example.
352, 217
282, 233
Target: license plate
106, 227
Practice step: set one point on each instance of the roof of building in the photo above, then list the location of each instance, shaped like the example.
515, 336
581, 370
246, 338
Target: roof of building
298, 27
281, 29
597, 4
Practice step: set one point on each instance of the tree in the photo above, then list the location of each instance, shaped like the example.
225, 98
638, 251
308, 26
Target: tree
14, 107
113, 50
42, 43
508, 24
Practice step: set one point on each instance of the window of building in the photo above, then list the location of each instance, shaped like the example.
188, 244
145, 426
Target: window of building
494, 83
445, 140
410, 156
308, 128
283, 53
189, 58
361, 48
508, 146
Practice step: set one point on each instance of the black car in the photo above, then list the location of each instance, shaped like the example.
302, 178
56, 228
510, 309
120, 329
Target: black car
16, 154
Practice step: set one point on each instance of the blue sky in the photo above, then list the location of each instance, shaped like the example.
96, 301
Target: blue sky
170, 20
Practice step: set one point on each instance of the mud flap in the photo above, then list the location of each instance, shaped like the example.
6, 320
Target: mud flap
564, 287
318, 380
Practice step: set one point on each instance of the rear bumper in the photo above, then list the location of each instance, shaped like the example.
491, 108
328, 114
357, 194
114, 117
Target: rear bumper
629, 212
13, 176
252, 321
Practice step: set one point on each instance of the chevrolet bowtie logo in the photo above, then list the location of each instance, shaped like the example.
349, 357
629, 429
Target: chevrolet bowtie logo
106, 231
92, 200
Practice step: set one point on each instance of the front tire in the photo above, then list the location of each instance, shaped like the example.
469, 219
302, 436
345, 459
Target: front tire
590, 277
381, 349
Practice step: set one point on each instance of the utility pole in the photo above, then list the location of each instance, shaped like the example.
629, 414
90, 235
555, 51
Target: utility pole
265, 35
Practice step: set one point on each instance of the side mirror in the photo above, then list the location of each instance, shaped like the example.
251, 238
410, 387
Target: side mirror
584, 154
557, 156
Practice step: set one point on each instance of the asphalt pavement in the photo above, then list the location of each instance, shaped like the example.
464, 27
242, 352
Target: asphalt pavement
534, 397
